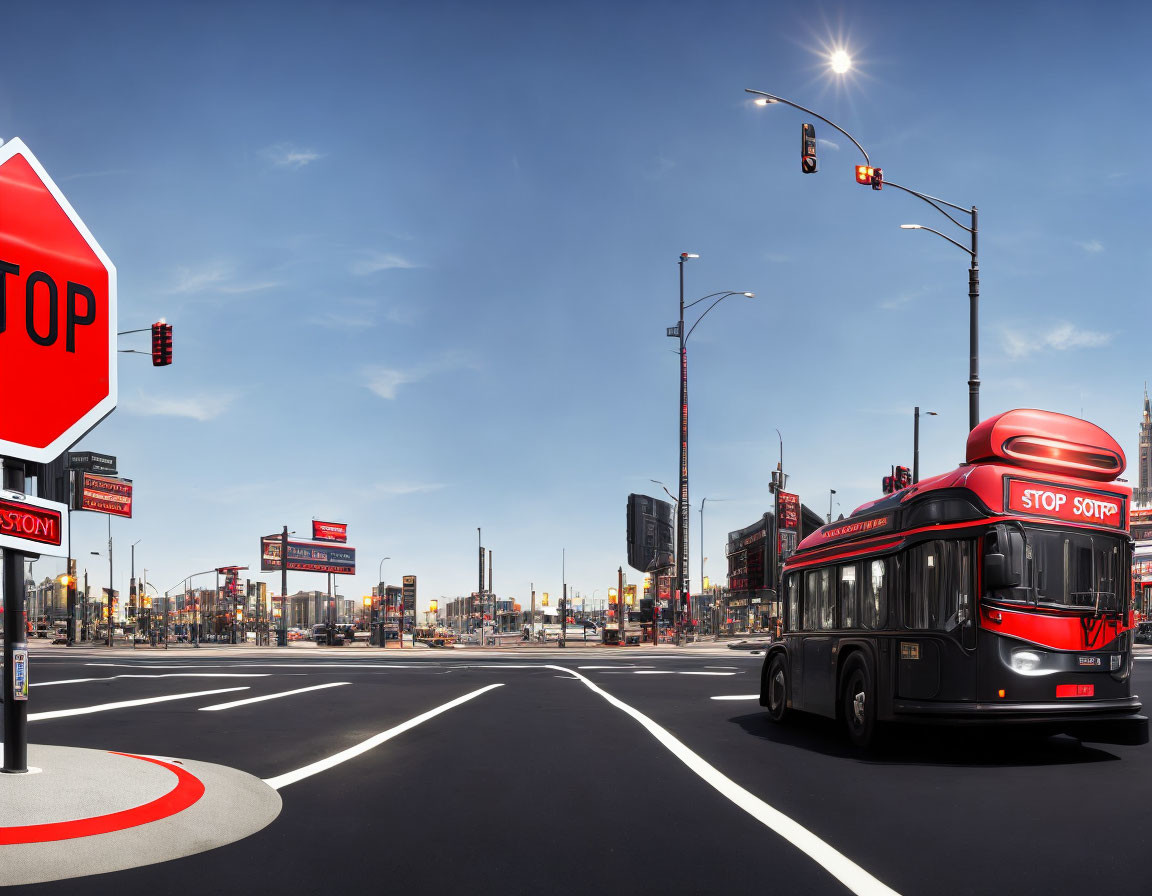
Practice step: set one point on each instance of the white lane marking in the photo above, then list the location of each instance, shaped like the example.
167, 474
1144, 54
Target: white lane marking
721, 667
245, 702
374, 741
835, 863
44, 684
125, 704
707, 673
617, 666
656, 672
737, 697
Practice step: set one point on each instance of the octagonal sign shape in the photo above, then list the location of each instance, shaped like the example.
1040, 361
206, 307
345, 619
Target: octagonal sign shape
57, 316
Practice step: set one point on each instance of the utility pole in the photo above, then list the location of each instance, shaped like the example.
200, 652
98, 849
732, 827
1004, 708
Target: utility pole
282, 637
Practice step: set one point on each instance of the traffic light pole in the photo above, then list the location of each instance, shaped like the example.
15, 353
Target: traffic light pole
15, 643
974, 268
282, 637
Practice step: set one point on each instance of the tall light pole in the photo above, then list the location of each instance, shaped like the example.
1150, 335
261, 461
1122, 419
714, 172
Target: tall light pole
683, 586
831, 492
916, 442
381, 602
768, 99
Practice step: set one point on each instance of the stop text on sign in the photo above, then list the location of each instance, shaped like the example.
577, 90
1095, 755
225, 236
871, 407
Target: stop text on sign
1069, 504
32, 525
41, 302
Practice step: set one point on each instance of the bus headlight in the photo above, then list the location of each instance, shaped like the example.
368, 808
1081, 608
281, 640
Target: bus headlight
1025, 661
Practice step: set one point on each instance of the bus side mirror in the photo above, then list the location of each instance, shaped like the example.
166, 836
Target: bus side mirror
997, 574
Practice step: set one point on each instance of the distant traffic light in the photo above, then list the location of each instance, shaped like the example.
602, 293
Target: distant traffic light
903, 477
161, 344
877, 178
808, 148
864, 174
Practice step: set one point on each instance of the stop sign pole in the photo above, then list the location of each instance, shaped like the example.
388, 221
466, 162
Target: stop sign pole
57, 381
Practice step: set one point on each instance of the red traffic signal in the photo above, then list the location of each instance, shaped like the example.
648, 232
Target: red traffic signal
161, 344
864, 174
877, 178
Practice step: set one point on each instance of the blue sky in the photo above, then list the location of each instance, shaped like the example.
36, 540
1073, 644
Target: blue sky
420, 258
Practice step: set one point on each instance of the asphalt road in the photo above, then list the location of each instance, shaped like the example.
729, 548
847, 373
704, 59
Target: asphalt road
593, 771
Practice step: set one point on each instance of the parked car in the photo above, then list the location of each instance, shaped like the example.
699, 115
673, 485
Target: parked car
1144, 633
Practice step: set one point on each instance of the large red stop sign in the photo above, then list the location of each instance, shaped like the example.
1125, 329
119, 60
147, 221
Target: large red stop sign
57, 316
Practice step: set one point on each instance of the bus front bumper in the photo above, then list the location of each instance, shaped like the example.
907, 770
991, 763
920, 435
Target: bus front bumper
1095, 721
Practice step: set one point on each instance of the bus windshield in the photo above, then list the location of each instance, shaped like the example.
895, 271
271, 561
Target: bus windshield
1063, 568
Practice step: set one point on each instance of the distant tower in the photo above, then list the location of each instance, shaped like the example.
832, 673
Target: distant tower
1143, 495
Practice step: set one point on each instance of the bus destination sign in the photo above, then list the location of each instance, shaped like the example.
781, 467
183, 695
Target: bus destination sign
1071, 505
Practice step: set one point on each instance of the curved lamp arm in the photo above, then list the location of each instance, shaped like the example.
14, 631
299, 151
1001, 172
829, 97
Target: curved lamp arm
710, 307
779, 99
939, 234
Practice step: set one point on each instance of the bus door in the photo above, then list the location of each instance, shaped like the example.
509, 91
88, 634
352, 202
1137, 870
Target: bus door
936, 654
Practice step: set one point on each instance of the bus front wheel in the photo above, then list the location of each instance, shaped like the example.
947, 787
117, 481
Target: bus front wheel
858, 701
776, 684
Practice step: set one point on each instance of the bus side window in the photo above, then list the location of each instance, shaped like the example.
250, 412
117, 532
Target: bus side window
849, 618
873, 595
793, 602
827, 600
811, 592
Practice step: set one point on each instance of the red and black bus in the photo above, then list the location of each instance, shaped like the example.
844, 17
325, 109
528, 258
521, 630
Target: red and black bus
998, 593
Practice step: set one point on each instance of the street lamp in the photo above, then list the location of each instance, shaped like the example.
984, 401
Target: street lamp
916, 441
382, 602
766, 99
831, 492
683, 585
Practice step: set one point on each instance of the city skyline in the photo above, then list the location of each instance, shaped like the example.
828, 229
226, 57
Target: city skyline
421, 287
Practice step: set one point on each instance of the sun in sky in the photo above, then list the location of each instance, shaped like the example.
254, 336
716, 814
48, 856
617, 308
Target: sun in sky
840, 61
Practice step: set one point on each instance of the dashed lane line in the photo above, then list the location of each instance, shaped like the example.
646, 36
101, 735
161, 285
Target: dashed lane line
737, 697
124, 704
352, 752
245, 702
831, 860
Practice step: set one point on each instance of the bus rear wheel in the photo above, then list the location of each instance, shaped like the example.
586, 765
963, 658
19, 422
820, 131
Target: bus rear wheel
776, 685
858, 701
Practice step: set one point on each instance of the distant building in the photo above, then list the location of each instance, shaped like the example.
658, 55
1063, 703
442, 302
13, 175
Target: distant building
1143, 495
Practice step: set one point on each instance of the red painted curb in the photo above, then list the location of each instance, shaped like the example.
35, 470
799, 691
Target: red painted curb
187, 791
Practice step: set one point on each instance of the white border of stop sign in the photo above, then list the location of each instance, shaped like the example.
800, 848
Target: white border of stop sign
107, 404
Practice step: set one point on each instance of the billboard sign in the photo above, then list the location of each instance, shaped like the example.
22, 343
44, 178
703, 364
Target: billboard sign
104, 494
789, 511
91, 462
329, 531
307, 556
410, 595
33, 525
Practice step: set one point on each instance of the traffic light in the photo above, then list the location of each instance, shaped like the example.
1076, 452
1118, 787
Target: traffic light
877, 178
808, 148
161, 344
864, 174
646, 604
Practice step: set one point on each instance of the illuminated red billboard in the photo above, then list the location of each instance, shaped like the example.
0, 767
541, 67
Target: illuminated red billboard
789, 511
307, 556
33, 525
329, 531
104, 494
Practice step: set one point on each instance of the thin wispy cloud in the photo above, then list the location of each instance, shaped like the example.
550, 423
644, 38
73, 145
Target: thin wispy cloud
193, 280
385, 381
336, 320
658, 168
288, 155
407, 488
821, 141
1092, 246
1061, 337
203, 407
84, 174
380, 261
903, 299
